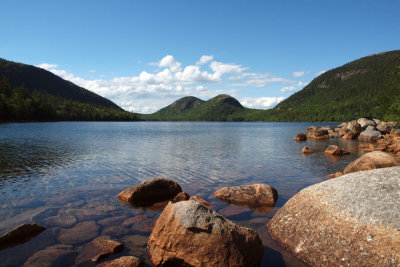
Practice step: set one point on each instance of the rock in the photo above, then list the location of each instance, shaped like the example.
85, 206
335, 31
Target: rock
115, 230
111, 221
189, 234
372, 160
335, 150
232, 211
98, 249
349, 221
342, 131
335, 175
364, 123
317, 132
61, 220
307, 150
383, 128
126, 261
377, 121
150, 192
349, 135
370, 128
395, 132
342, 125
300, 137
333, 134
200, 200
354, 127
51, 256
139, 218
181, 197
20, 234
252, 195
82, 232
369, 136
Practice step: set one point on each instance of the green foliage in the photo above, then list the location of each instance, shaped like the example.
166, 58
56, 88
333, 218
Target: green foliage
21, 105
36, 79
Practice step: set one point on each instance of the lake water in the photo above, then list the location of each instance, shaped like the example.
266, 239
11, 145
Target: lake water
63, 173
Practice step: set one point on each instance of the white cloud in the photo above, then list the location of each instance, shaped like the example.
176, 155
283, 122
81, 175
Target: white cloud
261, 102
204, 59
168, 62
149, 91
288, 89
298, 74
319, 73
302, 84
92, 71
47, 66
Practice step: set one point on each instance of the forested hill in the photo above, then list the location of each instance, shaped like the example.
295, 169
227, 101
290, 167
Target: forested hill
219, 108
367, 87
31, 93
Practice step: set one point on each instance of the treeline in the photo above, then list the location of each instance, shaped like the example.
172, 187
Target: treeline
18, 104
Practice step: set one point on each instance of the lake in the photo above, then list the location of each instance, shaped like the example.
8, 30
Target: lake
60, 174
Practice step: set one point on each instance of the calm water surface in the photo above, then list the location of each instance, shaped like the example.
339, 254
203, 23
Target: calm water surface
64, 173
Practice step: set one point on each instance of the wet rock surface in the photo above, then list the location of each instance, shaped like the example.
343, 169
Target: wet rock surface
307, 150
150, 192
352, 220
252, 195
126, 261
20, 234
98, 249
82, 232
189, 234
51, 256
300, 137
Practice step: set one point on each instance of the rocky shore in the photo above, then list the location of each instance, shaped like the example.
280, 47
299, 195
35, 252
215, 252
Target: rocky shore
351, 220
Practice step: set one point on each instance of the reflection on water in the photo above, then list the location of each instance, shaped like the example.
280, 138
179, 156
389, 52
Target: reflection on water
62, 174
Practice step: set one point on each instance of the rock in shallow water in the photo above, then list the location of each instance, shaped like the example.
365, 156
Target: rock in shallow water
352, 220
189, 234
252, 195
98, 249
372, 160
82, 232
20, 234
51, 256
126, 261
150, 192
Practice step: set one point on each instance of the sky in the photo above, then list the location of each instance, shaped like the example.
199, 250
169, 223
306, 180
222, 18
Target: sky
143, 55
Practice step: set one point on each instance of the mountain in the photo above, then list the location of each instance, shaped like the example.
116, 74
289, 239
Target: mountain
219, 108
367, 87
31, 93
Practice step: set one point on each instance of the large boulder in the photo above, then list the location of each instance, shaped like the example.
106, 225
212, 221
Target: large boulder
354, 127
150, 192
369, 136
364, 123
20, 234
189, 234
251, 195
383, 128
372, 160
352, 220
317, 132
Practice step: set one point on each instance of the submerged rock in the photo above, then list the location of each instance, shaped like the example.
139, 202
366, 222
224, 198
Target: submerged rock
372, 160
150, 192
252, 195
352, 220
51, 256
125, 261
189, 234
98, 249
82, 232
20, 234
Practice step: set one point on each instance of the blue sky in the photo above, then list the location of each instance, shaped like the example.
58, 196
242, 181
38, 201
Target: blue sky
143, 55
